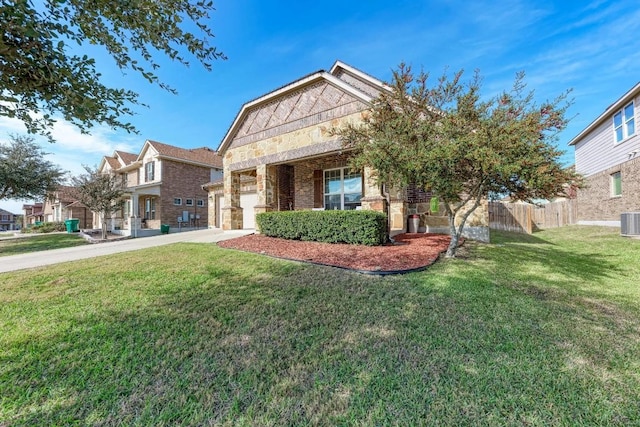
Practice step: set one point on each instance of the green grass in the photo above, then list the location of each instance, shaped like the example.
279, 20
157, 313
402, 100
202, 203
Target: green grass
531, 330
35, 243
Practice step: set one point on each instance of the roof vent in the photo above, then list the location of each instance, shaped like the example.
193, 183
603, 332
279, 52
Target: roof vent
630, 224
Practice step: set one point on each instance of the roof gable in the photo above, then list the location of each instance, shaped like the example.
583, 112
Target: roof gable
203, 156
307, 97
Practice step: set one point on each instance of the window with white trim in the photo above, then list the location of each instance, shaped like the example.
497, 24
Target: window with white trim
177, 201
200, 203
342, 189
624, 124
149, 171
616, 184
188, 202
150, 208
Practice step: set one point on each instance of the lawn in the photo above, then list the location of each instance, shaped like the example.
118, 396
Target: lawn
34, 243
530, 330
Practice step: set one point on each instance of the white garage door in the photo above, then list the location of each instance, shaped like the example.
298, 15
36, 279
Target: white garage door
247, 202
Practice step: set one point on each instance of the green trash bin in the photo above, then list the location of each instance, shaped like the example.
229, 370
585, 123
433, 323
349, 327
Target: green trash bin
67, 224
164, 228
72, 225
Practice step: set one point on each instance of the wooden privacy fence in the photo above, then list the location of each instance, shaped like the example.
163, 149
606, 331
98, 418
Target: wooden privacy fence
527, 218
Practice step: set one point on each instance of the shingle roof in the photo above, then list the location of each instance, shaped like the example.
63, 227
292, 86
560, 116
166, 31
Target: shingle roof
199, 155
66, 193
113, 162
128, 158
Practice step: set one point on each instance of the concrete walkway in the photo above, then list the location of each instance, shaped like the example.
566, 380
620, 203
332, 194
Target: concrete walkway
55, 256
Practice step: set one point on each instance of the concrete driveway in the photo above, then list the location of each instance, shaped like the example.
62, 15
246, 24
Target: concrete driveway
55, 256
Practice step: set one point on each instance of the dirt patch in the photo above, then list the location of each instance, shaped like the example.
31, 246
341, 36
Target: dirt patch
411, 251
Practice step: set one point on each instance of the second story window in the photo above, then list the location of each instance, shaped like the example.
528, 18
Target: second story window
177, 201
200, 203
188, 202
624, 124
149, 171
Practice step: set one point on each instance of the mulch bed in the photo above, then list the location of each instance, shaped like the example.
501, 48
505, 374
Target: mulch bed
410, 252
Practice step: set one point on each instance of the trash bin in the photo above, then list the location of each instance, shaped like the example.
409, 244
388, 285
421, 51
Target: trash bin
164, 228
72, 225
414, 223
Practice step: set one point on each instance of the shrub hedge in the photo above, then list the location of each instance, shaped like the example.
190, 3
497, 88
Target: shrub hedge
45, 227
354, 227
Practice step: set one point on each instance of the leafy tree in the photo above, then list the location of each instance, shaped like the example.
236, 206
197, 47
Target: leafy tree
100, 192
41, 74
446, 139
24, 173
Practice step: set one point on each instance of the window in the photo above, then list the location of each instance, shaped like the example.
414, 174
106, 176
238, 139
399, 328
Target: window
342, 189
188, 202
200, 203
177, 201
150, 208
616, 184
624, 124
5, 217
149, 171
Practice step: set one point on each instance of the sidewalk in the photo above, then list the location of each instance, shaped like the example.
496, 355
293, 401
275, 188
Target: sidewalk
55, 256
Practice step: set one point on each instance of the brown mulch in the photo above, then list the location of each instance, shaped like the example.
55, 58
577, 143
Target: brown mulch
410, 252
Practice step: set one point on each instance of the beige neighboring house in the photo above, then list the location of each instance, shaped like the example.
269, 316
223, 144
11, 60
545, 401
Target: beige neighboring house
164, 187
607, 154
62, 204
32, 214
280, 154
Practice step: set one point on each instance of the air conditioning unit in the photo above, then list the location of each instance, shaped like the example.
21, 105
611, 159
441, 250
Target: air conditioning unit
630, 224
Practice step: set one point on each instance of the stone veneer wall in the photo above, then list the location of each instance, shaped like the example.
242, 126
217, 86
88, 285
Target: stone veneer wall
184, 181
595, 202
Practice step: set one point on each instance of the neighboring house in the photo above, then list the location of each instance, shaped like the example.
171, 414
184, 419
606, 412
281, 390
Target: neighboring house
32, 214
280, 154
8, 221
607, 154
164, 186
62, 204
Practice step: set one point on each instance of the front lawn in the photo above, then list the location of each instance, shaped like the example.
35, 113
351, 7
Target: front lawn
531, 330
35, 243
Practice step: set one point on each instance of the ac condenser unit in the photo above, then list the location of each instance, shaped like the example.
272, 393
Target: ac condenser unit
630, 224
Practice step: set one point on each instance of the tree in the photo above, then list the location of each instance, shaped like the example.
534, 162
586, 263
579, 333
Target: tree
24, 173
100, 192
444, 138
41, 74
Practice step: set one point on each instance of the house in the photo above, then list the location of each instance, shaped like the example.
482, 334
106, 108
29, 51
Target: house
32, 214
164, 186
63, 204
607, 154
280, 154
8, 221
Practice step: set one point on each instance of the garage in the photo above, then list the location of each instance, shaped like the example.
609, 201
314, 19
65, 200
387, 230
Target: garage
247, 203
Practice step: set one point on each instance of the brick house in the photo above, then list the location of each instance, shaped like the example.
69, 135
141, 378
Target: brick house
32, 214
8, 221
280, 154
164, 186
63, 204
607, 154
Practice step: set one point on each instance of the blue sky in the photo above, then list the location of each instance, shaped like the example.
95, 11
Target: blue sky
590, 47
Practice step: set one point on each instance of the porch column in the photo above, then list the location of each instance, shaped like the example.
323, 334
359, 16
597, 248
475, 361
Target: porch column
372, 198
133, 215
266, 186
231, 212
398, 211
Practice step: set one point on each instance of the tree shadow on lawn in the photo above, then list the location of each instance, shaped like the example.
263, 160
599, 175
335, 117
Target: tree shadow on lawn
283, 343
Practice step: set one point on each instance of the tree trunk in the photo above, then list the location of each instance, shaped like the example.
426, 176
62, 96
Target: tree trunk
104, 227
455, 236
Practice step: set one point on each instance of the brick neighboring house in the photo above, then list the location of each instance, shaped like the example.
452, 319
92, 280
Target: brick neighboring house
607, 154
164, 186
8, 221
280, 154
62, 204
32, 214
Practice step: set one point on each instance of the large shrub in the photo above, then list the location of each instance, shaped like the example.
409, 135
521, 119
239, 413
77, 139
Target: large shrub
354, 227
45, 227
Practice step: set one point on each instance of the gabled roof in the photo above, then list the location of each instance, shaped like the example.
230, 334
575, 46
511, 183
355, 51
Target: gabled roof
203, 155
310, 79
127, 158
606, 114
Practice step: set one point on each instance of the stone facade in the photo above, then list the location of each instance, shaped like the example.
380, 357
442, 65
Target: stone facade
595, 201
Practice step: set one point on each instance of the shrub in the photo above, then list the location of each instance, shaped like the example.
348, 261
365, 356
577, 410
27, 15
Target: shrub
354, 227
46, 227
